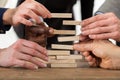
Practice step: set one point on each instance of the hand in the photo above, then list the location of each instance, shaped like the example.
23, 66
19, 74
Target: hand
29, 9
103, 49
103, 26
24, 54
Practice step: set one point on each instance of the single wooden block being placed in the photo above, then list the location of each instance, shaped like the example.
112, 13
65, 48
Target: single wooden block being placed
58, 52
60, 46
73, 65
68, 38
62, 61
64, 32
71, 22
61, 15
70, 57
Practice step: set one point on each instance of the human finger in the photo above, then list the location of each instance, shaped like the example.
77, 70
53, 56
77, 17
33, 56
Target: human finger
93, 63
40, 10
34, 16
99, 30
22, 20
96, 24
84, 46
35, 46
86, 53
31, 59
83, 37
46, 11
24, 64
113, 35
89, 58
88, 21
51, 32
33, 52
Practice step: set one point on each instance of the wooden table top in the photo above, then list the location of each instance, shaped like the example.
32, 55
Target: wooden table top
59, 74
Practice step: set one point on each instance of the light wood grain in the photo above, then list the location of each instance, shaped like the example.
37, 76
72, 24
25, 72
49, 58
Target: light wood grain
59, 74
52, 57
70, 57
70, 22
68, 38
64, 65
61, 15
62, 61
60, 46
58, 52
64, 32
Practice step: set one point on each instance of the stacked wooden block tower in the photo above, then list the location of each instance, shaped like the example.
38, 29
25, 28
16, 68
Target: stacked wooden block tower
60, 55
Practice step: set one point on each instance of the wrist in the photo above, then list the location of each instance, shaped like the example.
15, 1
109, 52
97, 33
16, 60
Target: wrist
7, 16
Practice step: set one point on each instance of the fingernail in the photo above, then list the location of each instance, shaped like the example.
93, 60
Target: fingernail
45, 52
44, 65
92, 36
36, 67
46, 58
74, 46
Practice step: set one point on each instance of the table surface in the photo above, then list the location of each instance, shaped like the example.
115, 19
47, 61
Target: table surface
59, 74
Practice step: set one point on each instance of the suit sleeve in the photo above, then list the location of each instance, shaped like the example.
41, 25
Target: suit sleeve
111, 6
3, 27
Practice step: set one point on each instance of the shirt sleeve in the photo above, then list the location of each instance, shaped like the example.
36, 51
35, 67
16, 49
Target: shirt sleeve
3, 28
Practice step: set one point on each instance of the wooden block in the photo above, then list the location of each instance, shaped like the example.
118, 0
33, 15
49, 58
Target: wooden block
70, 22
83, 64
58, 52
62, 61
70, 57
52, 57
65, 32
61, 15
64, 65
41, 60
60, 46
68, 38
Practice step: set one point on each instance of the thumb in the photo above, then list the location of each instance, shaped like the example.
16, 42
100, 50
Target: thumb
83, 46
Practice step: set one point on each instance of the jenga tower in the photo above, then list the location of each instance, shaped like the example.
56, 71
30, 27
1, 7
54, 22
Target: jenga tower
59, 56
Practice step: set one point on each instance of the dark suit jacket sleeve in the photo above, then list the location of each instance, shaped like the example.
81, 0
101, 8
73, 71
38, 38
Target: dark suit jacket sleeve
111, 6
3, 28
